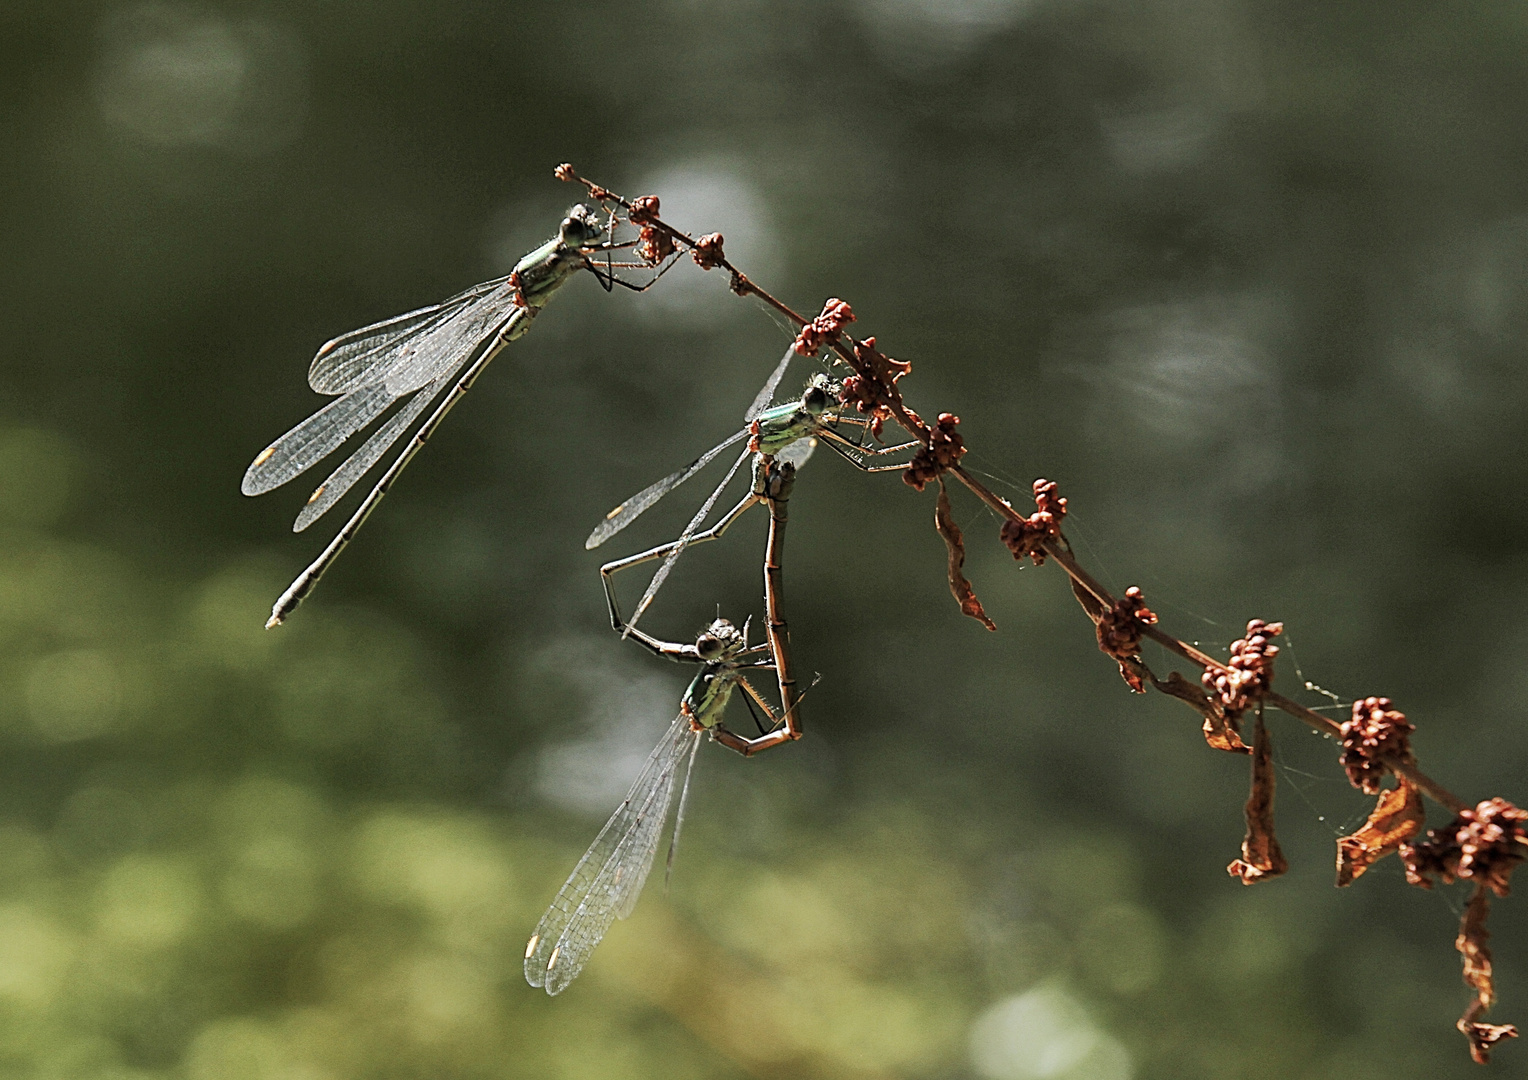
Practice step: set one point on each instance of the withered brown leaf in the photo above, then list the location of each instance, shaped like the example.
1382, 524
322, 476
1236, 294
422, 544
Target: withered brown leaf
955, 544
1089, 602
1261, 857
1396, 818
1218, 730
1471, 944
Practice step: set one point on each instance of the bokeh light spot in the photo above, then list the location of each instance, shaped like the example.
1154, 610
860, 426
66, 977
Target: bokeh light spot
237, 1048
446, 867
919, 34
176, 76
1044, 1035
35, 952
272, 882
1120, 947
148, 901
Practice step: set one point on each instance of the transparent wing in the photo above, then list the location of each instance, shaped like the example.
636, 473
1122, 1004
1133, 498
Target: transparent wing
447, 345
766, 395
361, 356
430, 349
643, 500
615, 891
607, 880
352, 359
684, 800
315, 438
358, 464
799, 452
683, 542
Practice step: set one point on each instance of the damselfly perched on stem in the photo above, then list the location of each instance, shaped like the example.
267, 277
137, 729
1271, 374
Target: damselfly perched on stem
605, 883
417, 357
786, 431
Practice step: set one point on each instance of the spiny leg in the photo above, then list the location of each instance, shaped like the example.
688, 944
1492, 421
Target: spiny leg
777, 735
610, 569
608, 278
864, 424
777, 488
753, 712
834, 439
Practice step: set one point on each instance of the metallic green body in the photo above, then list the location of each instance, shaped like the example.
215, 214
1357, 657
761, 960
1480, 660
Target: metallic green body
544, 270
706, 697
777, 428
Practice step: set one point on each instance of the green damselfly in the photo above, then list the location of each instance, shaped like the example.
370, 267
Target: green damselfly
417, 356
788, 432
606, 882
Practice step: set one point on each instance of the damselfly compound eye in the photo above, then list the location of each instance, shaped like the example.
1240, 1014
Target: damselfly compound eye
815, 400
574, 231
580, 227
708, 646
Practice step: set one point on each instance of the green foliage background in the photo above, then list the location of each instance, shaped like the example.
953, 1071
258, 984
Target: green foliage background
1247, 279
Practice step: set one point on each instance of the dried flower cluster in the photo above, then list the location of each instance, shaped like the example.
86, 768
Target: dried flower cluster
654, 244
942, 453
1028, 536
824, 328
1483, 844
1119, 634
1248, 673
872, 389
1375, 734
707, 251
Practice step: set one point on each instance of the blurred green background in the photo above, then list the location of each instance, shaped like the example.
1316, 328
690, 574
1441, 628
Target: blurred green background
1247, 279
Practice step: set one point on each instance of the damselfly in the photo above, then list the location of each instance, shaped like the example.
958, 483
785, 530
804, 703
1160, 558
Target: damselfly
417, 356
787, 431
605, 884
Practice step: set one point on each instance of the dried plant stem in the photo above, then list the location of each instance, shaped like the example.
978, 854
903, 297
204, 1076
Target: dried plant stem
1494, 834
1056, 549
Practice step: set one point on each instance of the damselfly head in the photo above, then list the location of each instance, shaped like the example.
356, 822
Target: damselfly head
719, 640
581, 227
821, 393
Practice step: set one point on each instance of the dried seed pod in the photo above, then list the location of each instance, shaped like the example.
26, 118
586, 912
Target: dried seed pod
1375, 732
941, 453
1483, 845
1028, 537
708, 251
836, 314
1249, 671
1119, 633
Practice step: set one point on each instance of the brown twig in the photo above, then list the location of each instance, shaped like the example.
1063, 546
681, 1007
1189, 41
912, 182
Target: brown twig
1374, 741
857, 356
